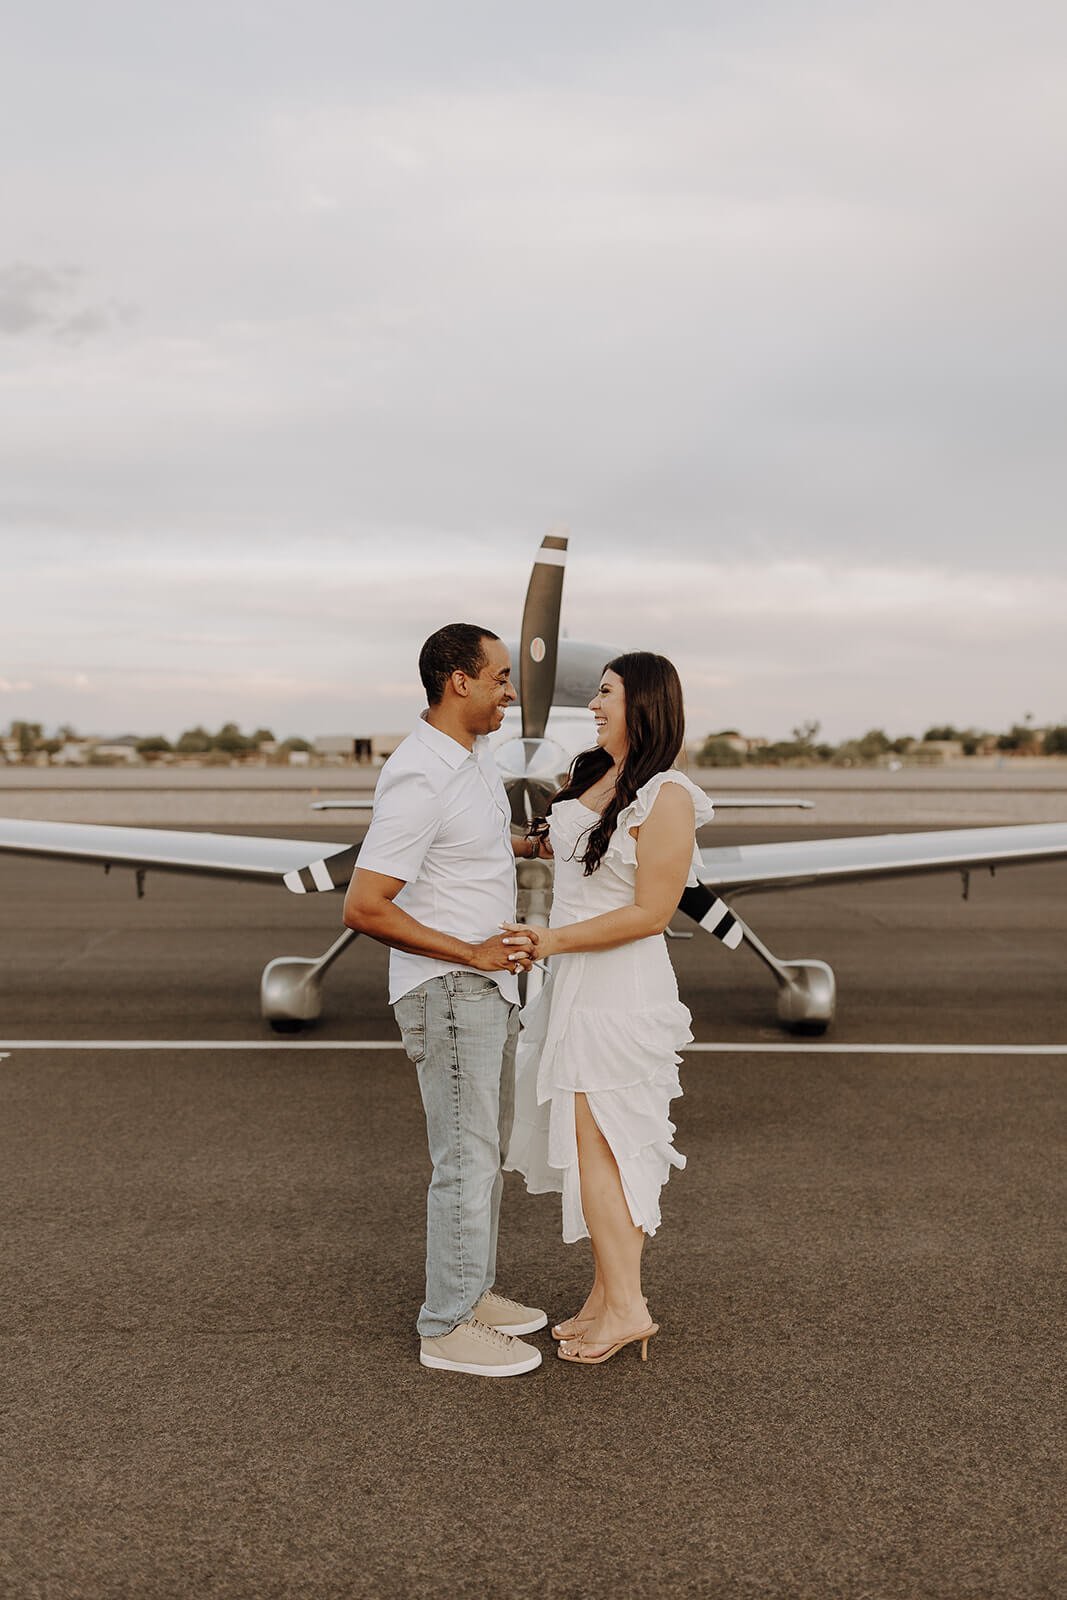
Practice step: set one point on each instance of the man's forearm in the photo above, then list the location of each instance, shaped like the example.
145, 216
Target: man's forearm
392, 926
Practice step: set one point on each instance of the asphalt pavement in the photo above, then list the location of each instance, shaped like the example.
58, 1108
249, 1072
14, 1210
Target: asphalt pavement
213, 1257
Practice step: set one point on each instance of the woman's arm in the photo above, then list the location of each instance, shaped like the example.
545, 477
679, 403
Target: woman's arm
664, 857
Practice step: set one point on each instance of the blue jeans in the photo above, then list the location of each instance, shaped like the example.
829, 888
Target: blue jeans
461, 1033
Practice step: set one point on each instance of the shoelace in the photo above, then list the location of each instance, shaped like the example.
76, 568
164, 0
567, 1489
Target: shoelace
488, 1335
502, 1300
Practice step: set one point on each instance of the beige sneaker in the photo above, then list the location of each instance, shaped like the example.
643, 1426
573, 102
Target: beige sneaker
496, 1311
473, 1347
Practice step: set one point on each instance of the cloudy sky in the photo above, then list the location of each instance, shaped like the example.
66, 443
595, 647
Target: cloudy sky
314, 318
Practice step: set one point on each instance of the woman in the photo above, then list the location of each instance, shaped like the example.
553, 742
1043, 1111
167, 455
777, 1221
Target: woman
597, 1062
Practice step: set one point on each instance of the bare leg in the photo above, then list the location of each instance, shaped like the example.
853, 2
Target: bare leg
617, 1243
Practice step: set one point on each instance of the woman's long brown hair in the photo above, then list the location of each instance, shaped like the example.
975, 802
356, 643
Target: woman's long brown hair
655, 732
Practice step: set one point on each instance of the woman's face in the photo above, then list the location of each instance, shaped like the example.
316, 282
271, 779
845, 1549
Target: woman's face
608, 706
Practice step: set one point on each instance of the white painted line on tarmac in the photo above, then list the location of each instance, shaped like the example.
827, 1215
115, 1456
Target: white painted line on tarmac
200, 1044
295, 1046
882, 1049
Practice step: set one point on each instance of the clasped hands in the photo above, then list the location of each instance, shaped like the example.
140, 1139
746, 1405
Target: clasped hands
514, 949
540, 942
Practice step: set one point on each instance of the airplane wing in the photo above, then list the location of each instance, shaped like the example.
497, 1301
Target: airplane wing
304, 866
745, 868
725, 803
737, 802
342, 805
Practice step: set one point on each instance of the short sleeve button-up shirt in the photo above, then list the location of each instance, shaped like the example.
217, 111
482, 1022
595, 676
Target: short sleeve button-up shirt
442, 823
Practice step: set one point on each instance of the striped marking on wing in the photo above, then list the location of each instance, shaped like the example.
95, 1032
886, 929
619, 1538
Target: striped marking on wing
713, 915
317, 878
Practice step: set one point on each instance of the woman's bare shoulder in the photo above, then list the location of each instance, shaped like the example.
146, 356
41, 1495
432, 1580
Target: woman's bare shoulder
671, 807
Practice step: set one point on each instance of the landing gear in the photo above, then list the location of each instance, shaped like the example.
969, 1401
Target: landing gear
807, 990
290, 990
533, 902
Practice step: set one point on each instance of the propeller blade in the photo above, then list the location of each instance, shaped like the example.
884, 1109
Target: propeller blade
540, 636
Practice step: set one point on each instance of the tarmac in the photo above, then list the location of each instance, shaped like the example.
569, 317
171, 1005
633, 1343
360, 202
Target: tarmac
213, 1243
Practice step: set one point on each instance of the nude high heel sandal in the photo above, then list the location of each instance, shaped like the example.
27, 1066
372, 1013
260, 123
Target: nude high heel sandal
581, 1360
581, 1323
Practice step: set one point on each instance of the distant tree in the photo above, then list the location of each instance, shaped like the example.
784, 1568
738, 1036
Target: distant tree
294, 742
800, 748
901, 746
1056, 741
27, 735
939, 735
231, 740
719, 752
874, 743
50, 747
194, 742
262, 736
154, 745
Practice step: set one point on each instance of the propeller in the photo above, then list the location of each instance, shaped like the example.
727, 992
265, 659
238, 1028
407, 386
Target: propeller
532, 765
539, 645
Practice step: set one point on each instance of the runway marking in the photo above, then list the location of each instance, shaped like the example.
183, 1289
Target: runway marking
297, 1046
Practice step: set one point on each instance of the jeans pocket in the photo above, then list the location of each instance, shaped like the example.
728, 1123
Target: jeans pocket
410, 1014
473, 985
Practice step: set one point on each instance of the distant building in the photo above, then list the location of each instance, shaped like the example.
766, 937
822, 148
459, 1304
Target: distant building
935, 752
115, 752
336, 749
73, 753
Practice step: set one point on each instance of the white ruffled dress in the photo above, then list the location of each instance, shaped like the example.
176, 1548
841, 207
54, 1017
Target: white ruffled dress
607, 1024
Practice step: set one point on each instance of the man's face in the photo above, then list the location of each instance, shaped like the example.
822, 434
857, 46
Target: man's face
491, 691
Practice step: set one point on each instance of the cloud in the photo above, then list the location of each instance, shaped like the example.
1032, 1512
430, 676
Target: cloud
28, 294
35, 299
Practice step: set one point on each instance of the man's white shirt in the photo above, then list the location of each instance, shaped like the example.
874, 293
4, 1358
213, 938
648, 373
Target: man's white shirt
442, 823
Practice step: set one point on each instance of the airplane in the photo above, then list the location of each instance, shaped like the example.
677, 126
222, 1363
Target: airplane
556, 677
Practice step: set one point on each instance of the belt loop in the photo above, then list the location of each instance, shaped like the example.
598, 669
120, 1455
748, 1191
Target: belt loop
450, 984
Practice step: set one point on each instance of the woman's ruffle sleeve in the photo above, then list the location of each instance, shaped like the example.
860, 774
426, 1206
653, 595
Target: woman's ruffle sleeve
622, 850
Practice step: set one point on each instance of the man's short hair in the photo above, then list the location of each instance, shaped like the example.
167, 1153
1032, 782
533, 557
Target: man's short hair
455, 648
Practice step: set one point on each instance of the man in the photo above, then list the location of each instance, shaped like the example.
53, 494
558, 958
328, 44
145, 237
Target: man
435, 881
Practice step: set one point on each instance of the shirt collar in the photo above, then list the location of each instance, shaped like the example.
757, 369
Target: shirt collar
452, 753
